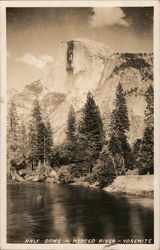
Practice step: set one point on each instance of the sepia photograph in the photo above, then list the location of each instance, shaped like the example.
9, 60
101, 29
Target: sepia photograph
79, 129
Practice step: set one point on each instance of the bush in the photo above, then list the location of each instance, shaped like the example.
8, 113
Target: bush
91, 177
17, 165
104, 171
64, 175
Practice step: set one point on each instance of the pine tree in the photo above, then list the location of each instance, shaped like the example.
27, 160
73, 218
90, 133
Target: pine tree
127, 152
36, 136
12, 126
23, 143
71, 138
91, 134
48, 141
149, 111
40, 138
32, 137
119, 127
146, 153
41, 141
85, 154
136, 149
115, 147
120, 121
104, 171
12, 135
71, 126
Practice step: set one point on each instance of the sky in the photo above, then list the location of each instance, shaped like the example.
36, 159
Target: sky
34, 34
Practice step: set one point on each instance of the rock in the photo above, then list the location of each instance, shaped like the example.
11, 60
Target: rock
19, 178
53, 174
16, 177
22, 172
50, 180
36, 178
29, 178
40, 177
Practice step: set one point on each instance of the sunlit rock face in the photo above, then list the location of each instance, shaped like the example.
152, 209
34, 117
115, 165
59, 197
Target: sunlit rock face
79, 66
84, 65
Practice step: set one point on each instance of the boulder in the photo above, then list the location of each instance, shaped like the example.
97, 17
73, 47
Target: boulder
19, 178
53, 174
22, 172
29, 178
40, 177
36, 178
50, 180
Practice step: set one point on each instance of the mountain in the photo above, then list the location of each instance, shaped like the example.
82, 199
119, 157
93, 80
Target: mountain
84, 65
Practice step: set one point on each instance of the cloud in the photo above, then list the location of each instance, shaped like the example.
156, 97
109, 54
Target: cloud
108, 17
37, 61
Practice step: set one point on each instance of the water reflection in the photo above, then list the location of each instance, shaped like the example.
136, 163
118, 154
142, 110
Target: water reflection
48, 211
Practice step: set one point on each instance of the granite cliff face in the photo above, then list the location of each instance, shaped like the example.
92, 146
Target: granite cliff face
84, 65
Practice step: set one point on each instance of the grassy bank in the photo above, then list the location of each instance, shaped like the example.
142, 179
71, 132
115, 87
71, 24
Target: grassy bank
132, 185
136, 185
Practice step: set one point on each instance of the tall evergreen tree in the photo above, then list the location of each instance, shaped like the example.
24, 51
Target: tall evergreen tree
40, 138
12, 135
32, 137
115, 147
149, 111
120, 121
104, 171
36, 135
71, 138
48, 141
12, 126
146, 153
23, 143
91, 132
120, 127
71, 126
41, 141
136, 149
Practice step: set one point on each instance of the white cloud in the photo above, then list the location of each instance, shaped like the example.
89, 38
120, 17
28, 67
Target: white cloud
108, 16
37, 61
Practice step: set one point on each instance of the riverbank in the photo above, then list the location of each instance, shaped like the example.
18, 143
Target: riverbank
131, 185
135, 185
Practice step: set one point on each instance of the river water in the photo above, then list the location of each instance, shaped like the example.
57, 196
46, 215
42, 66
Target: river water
48, 212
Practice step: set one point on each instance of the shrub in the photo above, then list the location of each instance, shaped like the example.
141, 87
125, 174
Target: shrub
64, 175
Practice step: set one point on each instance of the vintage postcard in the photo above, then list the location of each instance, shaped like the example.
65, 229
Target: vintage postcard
80, 125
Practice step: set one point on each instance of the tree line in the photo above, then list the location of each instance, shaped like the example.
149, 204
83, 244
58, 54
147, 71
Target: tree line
28, 145
86, 152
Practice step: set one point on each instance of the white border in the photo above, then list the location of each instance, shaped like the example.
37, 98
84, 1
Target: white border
116, 3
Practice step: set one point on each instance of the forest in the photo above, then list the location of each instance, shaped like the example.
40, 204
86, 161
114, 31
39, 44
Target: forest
86, 153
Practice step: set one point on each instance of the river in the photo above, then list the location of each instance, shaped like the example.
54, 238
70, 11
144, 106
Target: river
46, 212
